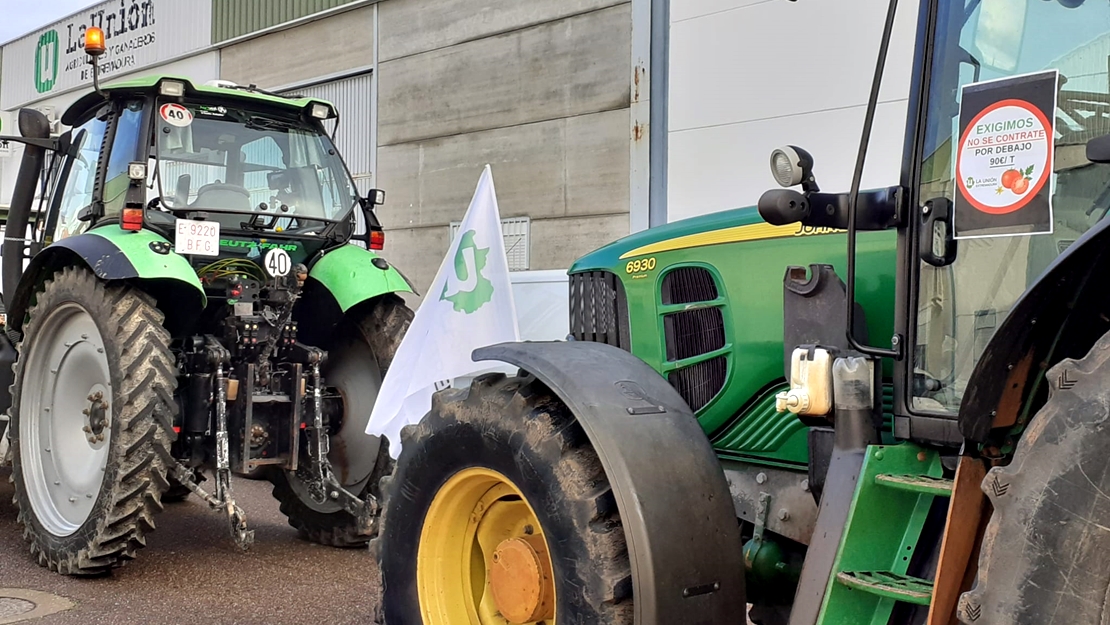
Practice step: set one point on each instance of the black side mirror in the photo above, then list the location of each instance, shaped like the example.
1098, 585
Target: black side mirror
1098, 149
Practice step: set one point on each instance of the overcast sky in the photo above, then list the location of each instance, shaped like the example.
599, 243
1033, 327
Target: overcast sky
24, 16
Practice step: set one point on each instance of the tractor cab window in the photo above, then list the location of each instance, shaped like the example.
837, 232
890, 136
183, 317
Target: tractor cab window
78, 177
125, 150
960, 305
268, 172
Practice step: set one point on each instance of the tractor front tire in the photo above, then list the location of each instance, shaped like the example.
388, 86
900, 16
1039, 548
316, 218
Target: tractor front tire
499, 510
91, 422
358, 359
1044, 554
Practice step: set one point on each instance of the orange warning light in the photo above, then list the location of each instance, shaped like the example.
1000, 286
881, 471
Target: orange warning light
94, 41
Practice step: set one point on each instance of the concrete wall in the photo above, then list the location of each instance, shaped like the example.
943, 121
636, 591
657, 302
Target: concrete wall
747, 76
309, 51
540, 90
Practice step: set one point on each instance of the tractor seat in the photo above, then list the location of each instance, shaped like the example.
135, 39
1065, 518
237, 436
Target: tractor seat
218, 195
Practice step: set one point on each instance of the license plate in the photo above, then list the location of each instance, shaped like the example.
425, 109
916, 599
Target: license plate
200, 238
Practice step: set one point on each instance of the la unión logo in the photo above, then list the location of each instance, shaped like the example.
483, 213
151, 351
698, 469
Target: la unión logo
46, 61
469, 290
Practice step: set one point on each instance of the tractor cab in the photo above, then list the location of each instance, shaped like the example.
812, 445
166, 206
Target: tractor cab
247, 164
1002, 231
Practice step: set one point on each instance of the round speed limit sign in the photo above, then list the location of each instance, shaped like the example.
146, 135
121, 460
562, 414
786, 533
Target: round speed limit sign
277, 262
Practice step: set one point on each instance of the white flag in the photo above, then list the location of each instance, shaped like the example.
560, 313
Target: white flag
469, 305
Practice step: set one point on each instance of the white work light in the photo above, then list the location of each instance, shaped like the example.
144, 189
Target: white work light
136, 171
786, 166
172, 88
320, 111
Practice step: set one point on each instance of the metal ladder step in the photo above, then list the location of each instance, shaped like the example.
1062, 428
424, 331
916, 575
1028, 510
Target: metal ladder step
889, 585
923, 484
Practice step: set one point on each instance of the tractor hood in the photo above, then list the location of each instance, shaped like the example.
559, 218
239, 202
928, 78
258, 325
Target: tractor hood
730, 226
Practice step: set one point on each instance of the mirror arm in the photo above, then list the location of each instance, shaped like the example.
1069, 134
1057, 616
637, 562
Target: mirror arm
47, 144
896, 349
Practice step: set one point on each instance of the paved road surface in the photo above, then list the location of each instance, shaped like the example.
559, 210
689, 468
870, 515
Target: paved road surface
191, 572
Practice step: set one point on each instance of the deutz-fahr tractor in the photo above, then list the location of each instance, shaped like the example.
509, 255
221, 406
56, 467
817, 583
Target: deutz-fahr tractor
731, 423
184, 298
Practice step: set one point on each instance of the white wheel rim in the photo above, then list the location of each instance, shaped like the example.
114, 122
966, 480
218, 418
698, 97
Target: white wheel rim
65, 373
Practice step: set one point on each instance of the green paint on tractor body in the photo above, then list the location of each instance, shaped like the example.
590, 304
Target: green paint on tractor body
148, 264
351, 275
897, 487
747, 260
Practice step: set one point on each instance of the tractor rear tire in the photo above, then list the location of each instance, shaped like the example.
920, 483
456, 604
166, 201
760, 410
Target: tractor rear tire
489, 469
1045, 557
88, 483
366, 343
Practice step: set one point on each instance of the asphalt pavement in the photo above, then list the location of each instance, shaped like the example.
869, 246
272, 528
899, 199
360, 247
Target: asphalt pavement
191, 572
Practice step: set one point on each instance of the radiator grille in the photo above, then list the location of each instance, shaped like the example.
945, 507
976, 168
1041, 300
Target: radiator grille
598, 309
685, 285
694, 332
698, 384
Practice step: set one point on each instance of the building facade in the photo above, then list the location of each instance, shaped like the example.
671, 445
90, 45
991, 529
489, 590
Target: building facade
599, 117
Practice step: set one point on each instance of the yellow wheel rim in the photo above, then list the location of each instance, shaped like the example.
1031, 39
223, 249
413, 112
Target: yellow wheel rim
483, 557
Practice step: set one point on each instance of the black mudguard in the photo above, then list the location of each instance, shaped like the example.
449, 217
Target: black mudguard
108, 262
683, 538
1056, 318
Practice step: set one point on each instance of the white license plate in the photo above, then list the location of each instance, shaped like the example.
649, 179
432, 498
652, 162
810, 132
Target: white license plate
201, 238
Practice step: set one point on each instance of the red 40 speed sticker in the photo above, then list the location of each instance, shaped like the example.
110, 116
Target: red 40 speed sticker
175, 115
1004, 157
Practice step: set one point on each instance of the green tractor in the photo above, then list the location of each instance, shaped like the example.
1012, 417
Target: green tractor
187, 299
732, 424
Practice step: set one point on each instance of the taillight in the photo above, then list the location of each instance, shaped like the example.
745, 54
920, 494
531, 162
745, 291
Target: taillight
377, 239
131, 219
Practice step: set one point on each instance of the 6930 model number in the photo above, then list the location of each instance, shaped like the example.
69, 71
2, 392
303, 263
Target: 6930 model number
641, 264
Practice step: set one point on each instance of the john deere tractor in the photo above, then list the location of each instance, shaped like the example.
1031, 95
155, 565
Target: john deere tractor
914, 432
193, 303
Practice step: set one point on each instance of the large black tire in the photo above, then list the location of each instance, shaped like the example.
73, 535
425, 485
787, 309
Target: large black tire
379, 330
518, 428
140, 432
1045, 558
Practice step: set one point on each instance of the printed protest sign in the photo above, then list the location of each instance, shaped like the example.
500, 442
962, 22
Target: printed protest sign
1004, 157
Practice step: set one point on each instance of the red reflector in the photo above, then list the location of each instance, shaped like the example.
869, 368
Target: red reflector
377, 240
176, 430
131, 219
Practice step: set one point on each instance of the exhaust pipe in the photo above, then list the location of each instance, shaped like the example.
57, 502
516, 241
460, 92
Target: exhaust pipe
32, 125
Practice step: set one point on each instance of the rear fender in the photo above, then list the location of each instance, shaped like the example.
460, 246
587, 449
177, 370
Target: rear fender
353, 275
116, 254
683, 538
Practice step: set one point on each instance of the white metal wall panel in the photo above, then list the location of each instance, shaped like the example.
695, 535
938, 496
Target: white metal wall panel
138, 34
748, 76
352, 97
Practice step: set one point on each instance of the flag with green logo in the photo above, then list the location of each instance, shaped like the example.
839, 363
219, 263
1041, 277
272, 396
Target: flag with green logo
469, 305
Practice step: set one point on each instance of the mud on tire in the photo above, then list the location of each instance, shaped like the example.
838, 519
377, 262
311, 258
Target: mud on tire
142, 410
1044, 555
517, 427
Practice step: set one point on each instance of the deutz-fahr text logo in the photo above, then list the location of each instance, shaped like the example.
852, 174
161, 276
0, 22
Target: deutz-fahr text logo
46, 61
262, 245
